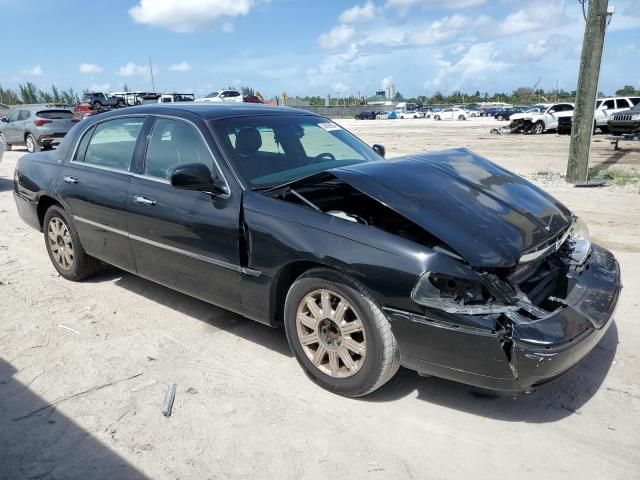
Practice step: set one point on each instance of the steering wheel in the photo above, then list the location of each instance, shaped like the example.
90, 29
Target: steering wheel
325, 156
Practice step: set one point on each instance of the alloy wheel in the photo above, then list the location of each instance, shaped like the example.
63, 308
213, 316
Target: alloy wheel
331, 333
31, 147
60, 243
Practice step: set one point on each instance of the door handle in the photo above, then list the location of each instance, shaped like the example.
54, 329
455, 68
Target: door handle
73, 180
142, 200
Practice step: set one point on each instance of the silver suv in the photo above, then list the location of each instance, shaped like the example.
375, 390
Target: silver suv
36, 127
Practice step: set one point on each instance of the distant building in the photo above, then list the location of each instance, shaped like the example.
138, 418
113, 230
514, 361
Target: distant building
390, 92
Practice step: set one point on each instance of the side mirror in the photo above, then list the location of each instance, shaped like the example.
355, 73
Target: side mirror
379, 149
196, 176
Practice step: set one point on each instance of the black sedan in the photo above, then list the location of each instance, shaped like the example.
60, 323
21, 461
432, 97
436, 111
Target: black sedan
442, 262
366, 116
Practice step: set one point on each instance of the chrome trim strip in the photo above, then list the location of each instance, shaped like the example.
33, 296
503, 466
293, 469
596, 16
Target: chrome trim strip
528, 257
204, 258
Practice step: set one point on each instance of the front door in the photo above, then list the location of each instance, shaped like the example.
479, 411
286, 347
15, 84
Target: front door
186, 240
94, 186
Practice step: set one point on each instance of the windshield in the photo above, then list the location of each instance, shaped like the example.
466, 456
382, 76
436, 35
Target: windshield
268, 151
212, 95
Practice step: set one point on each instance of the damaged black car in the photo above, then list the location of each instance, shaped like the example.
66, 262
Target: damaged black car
443, 262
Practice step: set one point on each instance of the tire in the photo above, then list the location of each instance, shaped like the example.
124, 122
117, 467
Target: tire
461, 117
538, 128
380, 358
436, 117
500, 117
73, 263
32, 144
120, 104
97, 105
7, 146
603, 129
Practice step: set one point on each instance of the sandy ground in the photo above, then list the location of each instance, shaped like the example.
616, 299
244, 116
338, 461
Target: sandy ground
84, 367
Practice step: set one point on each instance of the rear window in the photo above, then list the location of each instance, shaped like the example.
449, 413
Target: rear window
55, 114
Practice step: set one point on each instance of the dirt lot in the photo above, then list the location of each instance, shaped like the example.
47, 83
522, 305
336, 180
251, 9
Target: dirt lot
84, 367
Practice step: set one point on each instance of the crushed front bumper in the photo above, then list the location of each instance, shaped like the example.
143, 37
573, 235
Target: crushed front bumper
529, 355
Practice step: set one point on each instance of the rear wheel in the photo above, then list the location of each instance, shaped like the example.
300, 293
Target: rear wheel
32, 144
339, 334
461, 117
121, 103
436, 117
500, 117
97, 105
64, 247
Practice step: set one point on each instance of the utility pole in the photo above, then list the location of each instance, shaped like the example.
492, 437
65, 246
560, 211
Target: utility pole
153, 84
587, 91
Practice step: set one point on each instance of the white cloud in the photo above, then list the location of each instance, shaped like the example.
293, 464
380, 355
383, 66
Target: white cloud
89, 68
189, 15
431, 4
387, 82
439, 31
534, 16
36, 71
359, 13
100, 87
133, 70
180, 67
336, 36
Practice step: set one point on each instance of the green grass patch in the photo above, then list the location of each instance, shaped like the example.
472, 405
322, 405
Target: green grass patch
615, 176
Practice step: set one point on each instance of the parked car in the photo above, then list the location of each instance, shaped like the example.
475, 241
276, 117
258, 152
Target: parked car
252, 99
98, 100
626, 122
386, 115
604, 111
541, 117
490, 112
138, 98
508, 112
36, 127
222, 96
441, 262
366, 115
409, 114
176, 98
451, 114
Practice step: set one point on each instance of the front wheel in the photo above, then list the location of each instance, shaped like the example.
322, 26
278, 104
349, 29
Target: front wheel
538, 128
64, 247
7, 146
339, 334
32, 144
500, 117
437, 117
121, 104
461, 117
97, 105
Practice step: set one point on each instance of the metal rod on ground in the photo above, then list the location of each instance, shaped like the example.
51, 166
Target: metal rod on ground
587, 91
168, 399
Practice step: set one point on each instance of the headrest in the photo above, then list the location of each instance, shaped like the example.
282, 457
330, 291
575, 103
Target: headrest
248, 141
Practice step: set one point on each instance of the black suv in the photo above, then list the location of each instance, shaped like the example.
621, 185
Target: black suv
98, 100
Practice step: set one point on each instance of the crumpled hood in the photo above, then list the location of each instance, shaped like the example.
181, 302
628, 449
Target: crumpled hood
487, 214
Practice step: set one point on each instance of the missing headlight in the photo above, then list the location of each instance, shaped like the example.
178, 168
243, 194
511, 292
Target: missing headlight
457, 295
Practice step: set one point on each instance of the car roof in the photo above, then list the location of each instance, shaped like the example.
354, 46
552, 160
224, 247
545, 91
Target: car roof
35, 108
211, 111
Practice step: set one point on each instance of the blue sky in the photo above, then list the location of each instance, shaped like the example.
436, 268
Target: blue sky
310, 46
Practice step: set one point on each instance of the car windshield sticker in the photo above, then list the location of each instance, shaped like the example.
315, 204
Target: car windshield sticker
328, 126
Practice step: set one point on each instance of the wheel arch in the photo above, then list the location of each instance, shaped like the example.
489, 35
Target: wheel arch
44, 203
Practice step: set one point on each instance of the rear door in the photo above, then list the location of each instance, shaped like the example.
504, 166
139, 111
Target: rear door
186, 240
94, 186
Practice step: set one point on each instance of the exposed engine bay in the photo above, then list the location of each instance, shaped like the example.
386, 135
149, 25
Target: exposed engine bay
531, 290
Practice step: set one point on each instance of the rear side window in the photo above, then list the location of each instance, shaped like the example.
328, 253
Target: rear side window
113, 142
622, 103
55, 114
23, 115
174, 143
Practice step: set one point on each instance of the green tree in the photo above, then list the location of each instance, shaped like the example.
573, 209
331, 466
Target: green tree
627, 90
